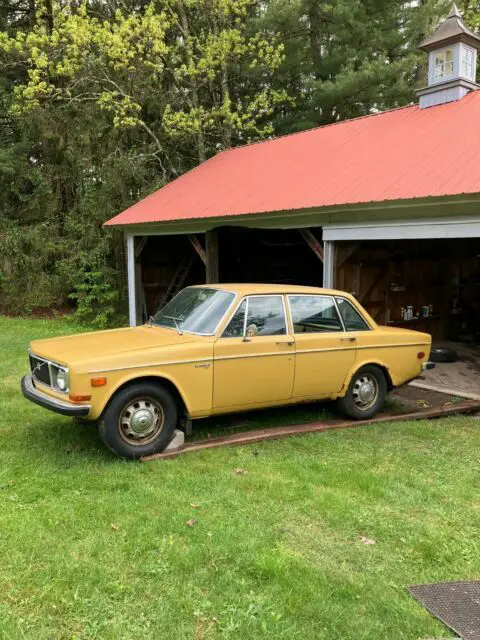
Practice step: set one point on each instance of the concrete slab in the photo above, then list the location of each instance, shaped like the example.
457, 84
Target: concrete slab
461, 378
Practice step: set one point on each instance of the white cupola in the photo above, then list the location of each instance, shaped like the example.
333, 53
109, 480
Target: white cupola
452, 62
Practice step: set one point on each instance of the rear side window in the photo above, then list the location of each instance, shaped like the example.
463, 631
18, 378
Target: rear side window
314, 314
352, 320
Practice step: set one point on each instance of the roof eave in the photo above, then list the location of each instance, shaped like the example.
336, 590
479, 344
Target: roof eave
438, 206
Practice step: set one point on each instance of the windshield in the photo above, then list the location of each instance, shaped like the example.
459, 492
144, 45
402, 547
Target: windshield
195, 310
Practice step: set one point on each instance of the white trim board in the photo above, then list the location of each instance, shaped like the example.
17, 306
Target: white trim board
461, 227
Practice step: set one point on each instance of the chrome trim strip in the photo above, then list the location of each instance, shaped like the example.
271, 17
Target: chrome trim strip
338, 313
245, 320
384, 346
151, 364
340, 348
256, 355
369, 346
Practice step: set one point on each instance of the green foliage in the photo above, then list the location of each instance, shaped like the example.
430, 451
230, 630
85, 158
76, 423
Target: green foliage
96, 299
103, 102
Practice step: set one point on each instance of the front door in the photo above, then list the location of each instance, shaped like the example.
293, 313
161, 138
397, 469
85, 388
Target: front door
254, 359
325, 353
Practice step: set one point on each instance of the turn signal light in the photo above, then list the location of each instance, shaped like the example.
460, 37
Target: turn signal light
75, 397
98, 382
420, 355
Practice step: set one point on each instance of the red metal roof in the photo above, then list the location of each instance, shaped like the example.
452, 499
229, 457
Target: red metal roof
395, 155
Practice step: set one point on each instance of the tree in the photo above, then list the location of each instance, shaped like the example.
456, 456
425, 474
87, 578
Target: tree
347, 58
112, 109
104, 101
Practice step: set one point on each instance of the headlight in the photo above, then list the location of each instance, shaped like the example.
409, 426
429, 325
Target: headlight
61, 379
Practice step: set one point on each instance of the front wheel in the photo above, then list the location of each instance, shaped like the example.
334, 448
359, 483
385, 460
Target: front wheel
365, 395
139, 420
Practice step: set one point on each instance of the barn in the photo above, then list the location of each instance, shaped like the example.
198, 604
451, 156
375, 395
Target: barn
385, 206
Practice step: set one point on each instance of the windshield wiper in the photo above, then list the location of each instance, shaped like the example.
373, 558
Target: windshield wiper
151, 320
176, 321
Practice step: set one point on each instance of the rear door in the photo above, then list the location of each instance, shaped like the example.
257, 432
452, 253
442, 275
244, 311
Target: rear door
325, 352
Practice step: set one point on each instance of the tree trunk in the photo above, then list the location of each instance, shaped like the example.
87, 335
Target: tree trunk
195, 101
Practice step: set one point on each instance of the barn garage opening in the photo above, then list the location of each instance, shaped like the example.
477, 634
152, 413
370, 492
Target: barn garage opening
167, 263
430, 285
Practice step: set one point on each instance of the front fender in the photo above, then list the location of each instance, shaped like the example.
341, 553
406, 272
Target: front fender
193, 382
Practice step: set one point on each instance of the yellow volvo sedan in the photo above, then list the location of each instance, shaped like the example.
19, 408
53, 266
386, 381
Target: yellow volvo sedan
216, 349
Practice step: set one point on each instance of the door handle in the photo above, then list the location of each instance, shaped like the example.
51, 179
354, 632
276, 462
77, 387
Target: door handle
289, 342
353, 339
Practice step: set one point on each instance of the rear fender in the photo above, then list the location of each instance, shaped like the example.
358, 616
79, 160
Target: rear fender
368, 361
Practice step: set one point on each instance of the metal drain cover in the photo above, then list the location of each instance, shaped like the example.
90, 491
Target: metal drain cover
456, 604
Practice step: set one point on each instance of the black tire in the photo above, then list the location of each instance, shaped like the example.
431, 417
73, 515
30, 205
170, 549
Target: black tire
144, 401
351, 403
442, 354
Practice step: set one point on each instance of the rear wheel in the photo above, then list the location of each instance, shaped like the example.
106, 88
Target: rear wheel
139, 420
365, 395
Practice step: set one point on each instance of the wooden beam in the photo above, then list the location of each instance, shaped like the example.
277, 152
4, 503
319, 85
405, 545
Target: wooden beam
198, 248
314, 244
371, 286
140, 245
211, 246
344, 253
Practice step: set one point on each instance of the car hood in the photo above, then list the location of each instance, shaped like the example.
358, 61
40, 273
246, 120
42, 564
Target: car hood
88, 347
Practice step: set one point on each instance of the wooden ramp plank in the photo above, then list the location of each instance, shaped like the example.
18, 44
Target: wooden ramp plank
274, 433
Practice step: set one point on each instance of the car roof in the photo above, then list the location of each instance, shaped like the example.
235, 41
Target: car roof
255, 288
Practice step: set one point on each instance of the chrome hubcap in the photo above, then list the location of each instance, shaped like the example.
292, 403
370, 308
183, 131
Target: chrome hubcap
141, 421
365, 391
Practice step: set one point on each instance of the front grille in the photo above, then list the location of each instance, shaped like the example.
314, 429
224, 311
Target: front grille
40, 370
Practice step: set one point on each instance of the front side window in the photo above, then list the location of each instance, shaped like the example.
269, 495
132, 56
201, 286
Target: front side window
352, 320
314, 314
236, 326
265, 316
468, 63
195, 310
443, 66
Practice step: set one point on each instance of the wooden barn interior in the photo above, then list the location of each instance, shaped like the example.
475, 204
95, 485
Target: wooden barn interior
430, 285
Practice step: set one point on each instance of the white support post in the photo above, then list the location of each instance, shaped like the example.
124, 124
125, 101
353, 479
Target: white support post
328, 263
132, 304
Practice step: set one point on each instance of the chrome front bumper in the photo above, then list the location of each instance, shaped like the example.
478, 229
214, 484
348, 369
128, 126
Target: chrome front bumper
48, 402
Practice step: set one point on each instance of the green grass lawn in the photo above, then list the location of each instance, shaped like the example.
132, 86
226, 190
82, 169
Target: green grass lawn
95, 547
